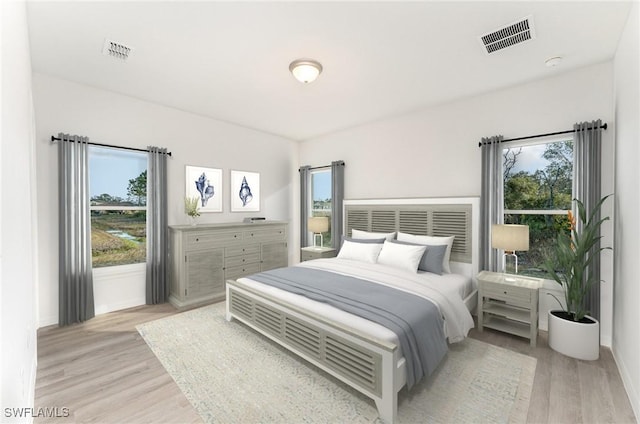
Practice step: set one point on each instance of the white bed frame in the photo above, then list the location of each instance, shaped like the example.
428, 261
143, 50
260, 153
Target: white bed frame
371, 366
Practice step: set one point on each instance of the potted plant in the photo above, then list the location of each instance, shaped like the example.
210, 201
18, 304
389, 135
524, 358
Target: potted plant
572, 331
191, 208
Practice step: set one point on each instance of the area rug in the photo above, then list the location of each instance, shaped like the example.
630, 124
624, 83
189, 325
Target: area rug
231, 374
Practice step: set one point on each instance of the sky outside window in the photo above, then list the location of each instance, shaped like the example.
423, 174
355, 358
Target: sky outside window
111, 169
530, 159
321, 185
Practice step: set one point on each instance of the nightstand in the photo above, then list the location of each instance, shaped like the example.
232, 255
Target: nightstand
309, 253
509, 303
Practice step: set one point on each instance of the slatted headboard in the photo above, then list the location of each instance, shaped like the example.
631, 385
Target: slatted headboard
422, 216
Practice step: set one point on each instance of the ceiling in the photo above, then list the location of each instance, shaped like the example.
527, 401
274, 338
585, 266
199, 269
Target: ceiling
229, 60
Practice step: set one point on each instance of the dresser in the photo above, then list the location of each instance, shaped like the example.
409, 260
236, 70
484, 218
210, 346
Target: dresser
509, 303
203, 257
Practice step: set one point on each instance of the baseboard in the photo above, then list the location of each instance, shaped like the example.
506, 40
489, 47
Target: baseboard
105, 309
47, 321
130, 303
627, 382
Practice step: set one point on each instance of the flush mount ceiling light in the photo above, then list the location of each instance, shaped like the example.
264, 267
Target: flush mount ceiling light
553, 61
305, 70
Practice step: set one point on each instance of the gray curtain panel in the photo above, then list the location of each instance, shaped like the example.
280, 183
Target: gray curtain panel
305, 181
337, 200
491, 200
157, 280
75, 271
587, 140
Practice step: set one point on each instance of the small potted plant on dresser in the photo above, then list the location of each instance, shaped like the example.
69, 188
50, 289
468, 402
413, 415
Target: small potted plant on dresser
572, 331
191, 209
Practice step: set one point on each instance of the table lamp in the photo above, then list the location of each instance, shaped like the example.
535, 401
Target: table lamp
318, 225
510, 237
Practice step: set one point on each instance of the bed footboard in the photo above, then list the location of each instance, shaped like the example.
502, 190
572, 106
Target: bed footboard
369, 365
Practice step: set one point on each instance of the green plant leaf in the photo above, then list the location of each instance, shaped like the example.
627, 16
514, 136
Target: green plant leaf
570, 265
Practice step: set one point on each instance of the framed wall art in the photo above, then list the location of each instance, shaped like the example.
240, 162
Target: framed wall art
245, 191
206, 185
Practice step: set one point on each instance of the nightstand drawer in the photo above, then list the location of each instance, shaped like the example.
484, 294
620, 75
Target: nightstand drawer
307, 256
310, 253
506, 292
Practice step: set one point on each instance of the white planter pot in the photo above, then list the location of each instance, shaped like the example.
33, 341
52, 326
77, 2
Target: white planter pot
575, 339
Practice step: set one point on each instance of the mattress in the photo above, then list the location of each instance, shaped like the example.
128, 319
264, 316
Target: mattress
447, 291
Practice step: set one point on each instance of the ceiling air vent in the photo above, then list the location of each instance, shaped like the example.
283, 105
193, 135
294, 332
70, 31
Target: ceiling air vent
116, 50
509, 35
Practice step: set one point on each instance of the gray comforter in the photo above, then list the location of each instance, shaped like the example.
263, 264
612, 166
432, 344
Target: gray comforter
415, 320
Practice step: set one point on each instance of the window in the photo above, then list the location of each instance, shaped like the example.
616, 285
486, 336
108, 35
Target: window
538, 192
118, 190
321, 199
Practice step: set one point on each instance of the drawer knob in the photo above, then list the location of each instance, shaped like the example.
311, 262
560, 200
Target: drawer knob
505, 292
197, 239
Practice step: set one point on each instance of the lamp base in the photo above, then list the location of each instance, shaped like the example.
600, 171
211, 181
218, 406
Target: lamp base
510, 263
315, 235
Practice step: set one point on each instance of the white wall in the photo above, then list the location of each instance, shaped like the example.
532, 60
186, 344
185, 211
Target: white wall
18, 253
108, 117
434, 152
626, 334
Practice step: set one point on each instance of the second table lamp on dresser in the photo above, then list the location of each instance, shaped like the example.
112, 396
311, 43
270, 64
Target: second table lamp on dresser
318, 225
510, 238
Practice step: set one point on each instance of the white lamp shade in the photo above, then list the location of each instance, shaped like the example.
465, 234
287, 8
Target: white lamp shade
318, 224
510, 237
305, 71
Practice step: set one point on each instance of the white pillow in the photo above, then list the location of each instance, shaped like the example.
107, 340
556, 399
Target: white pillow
364, 252
401, 256
359, 234
431, 240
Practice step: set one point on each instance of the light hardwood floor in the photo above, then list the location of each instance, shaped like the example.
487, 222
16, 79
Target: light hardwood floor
104, 372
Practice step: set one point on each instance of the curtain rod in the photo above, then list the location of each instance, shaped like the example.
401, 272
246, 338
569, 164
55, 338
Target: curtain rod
321, 167
603, 126
54, 139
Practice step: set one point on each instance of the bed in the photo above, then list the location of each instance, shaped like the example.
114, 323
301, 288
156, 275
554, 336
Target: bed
365, 355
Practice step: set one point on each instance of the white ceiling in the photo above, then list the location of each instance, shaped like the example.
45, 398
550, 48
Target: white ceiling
229, 60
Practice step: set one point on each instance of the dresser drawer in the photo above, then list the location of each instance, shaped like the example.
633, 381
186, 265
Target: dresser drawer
235, 272
506, 292
242, 250
241, 260
204, 240
275, 233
